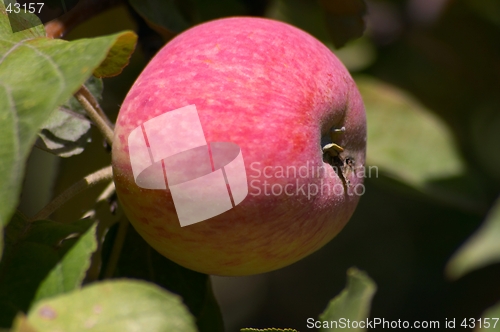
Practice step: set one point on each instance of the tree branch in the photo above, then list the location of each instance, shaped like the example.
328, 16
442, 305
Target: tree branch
89, 181
95, 114
95, 104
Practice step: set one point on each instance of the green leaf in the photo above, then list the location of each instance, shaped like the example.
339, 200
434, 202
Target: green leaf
139, 261
412, 145
44, 254
69, 272
113, 306
8, 144
353, 302
344, 19
481, 249
21, 324
36, 76
118, 55
67, 131
163, 16
41, 254
24, 25
490, 320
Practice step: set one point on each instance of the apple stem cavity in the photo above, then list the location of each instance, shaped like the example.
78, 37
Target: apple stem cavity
332, 156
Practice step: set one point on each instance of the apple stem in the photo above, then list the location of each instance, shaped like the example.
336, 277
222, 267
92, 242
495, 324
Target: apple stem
331, 155
95, 113
89, 181
339, 130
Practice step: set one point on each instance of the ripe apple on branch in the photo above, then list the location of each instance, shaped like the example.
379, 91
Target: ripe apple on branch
286, 101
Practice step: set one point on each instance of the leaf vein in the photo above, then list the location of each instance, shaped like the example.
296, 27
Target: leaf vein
54, 65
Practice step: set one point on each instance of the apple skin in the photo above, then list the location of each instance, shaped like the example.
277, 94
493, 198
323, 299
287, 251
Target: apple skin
275, 91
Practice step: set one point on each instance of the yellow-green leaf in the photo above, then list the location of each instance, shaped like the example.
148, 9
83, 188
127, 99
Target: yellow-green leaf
481, 249
118, 55
42, 259
37, 75
412, 145
490, 321
353, 303
119, 305
21, 324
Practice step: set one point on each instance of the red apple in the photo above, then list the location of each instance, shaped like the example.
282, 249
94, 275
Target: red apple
287, 102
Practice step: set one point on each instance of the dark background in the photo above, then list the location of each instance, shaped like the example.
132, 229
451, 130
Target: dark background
439, 57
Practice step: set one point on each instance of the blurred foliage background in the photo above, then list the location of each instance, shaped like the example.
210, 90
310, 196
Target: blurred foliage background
429, 72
